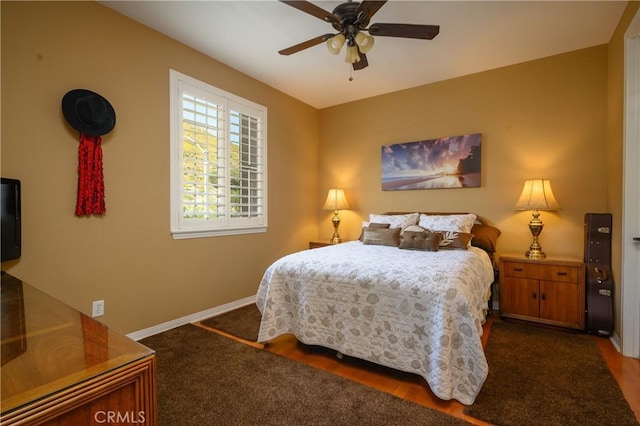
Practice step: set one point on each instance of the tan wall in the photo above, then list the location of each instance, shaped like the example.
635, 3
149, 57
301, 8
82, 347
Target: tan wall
615, 139
128, 257
540, 119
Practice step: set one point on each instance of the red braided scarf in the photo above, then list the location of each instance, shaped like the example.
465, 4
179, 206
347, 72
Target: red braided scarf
90, 177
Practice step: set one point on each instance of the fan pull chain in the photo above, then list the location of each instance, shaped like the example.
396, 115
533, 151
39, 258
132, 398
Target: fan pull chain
350, 72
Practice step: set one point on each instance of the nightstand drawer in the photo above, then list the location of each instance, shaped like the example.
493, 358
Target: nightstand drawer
540, 271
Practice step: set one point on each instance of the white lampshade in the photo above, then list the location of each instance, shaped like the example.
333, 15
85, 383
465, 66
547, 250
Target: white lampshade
364, 41
352, 55
334, 44
537, 195
336, 200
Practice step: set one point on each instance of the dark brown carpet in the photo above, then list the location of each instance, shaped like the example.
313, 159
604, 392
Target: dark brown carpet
242, 322
541, 377
208, 379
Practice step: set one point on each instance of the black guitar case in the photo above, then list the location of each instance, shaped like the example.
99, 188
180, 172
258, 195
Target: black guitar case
599, 285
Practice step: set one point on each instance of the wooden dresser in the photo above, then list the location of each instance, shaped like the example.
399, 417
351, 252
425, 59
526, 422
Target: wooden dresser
61, 367
549, 291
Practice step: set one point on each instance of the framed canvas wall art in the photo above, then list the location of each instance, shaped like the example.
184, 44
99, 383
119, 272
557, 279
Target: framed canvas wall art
450, 162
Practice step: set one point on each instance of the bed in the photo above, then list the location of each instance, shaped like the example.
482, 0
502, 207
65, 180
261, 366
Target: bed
393, 298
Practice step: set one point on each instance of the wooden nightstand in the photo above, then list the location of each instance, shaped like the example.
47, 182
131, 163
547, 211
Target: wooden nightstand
549, 291
317, 244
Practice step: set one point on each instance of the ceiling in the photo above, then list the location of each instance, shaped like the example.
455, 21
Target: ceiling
474, 36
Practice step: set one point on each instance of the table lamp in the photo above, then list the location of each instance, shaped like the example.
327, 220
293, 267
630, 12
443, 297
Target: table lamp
536, 195
336, 201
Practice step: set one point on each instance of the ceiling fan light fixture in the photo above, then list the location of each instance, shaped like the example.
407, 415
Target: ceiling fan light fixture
335, 43
350, 21
364, 41
352, 54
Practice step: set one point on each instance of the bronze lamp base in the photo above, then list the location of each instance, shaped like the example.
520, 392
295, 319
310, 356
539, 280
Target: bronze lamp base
336, 222
535, 226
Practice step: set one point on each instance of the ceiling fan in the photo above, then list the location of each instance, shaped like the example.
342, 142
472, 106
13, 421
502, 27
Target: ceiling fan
350, 19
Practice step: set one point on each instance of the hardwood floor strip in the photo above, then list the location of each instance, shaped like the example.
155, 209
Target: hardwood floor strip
626, 371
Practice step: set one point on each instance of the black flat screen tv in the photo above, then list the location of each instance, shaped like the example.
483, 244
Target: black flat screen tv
10, 209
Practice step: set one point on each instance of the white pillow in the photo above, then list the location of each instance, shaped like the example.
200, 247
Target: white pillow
448, 222
395, 220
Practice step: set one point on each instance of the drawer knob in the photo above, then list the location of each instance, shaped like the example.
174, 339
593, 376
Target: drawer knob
518, 269
562, 273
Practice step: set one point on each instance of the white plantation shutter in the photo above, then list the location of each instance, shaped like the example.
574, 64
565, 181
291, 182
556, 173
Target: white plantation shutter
202, 158
246, 163
218, 161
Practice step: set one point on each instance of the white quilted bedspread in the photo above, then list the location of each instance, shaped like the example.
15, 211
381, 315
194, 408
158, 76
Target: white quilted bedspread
415, 311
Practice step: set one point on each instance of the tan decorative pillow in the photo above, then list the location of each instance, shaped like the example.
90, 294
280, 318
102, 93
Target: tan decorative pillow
485, 237
382, 236
416, 228
454, 240
366, 225
421, 240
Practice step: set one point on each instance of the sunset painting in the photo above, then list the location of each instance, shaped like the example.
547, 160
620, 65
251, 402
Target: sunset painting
451, 162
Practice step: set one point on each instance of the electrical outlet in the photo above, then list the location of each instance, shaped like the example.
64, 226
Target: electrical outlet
98, 308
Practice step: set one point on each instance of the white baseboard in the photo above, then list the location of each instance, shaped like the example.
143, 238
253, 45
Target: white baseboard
615, 340
208, 313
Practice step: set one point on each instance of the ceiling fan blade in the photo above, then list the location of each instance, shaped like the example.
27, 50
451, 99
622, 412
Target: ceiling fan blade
426, 32
370, 7
313, 10
362, 63
305, 44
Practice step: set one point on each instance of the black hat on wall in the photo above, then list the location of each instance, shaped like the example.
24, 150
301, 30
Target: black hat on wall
88, 112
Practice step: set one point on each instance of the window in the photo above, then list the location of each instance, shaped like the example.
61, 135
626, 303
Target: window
218, 161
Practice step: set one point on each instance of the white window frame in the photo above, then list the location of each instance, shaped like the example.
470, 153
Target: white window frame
182, 227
